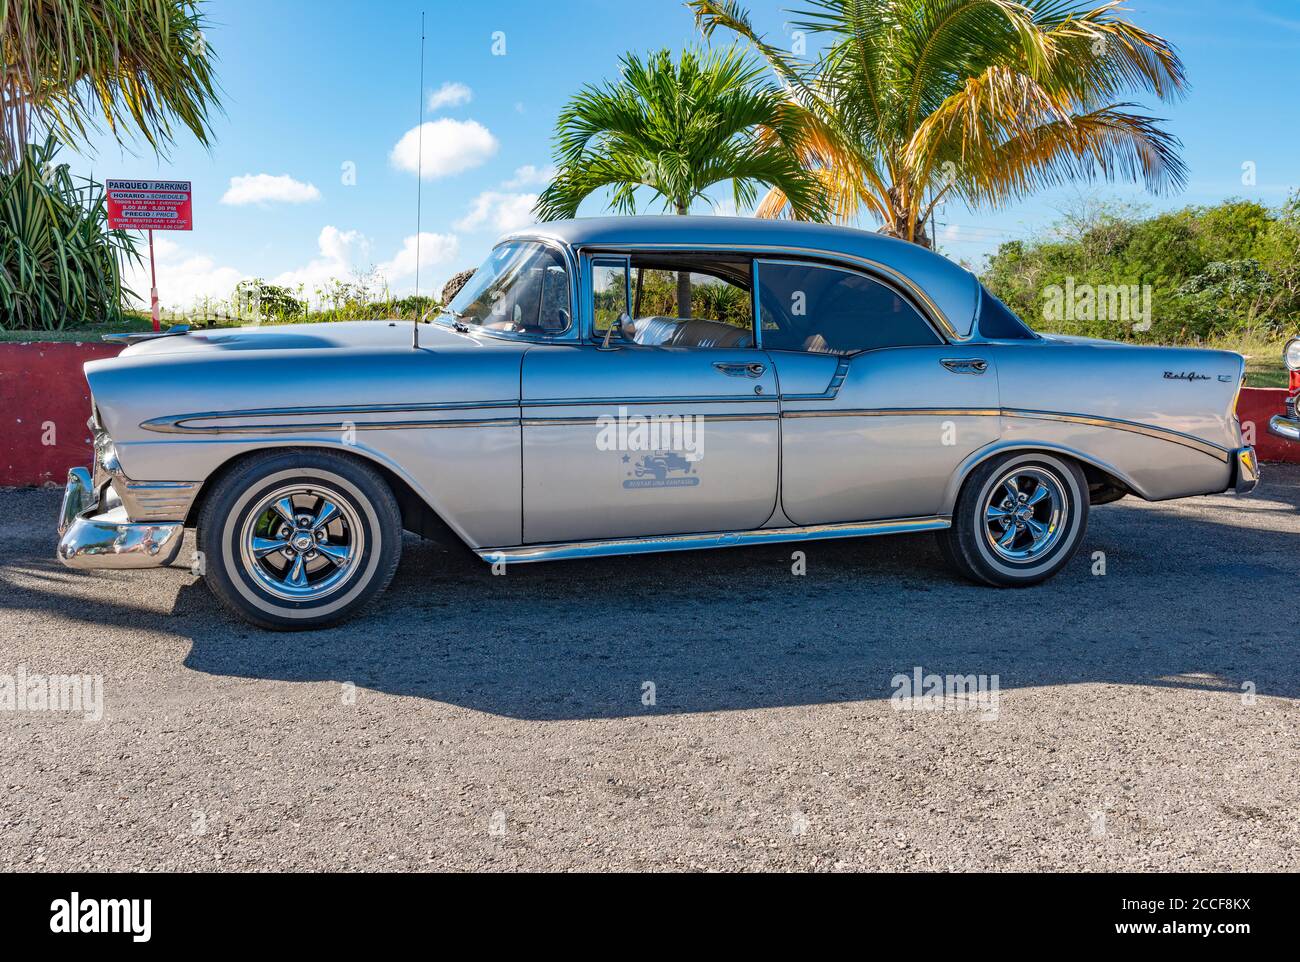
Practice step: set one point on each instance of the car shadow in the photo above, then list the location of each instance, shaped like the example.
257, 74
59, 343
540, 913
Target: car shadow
1154, 599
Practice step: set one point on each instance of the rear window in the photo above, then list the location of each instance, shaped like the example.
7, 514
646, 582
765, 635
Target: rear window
997, 323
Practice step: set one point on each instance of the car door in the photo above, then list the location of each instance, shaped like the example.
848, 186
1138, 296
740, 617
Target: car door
632, 440
877, 412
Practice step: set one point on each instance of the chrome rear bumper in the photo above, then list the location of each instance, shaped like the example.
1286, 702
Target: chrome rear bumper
91, 538
1245, 470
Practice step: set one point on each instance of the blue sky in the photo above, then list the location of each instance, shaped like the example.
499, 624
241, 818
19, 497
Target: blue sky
311, 88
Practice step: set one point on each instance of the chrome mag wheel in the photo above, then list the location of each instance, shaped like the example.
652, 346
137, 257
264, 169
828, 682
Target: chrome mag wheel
302, 542
1025, 514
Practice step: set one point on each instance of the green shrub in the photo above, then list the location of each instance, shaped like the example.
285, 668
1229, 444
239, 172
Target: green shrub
59, 264
1232, 270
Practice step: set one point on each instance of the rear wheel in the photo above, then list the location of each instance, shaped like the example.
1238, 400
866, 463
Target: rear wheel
1019, 519
299, 539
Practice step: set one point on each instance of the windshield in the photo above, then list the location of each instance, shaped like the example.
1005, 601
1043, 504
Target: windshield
522, 288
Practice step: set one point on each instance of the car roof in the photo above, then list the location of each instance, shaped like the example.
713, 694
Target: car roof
950, 289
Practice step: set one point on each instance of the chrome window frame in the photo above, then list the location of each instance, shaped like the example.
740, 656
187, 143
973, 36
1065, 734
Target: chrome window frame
570, 269
588, 254
590, 263
808, 262
874, 270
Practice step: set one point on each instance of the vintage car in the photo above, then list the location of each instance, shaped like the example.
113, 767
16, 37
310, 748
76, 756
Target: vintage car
624, 385
1288, 425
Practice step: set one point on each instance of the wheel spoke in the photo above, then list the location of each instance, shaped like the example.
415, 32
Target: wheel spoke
328, 510
284, 508
1037, 529
265, 546
995, 513
1012, 491
1009, 537
336, 553
297, 573
1039, 494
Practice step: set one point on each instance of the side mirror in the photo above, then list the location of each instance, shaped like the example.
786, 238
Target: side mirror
617, 326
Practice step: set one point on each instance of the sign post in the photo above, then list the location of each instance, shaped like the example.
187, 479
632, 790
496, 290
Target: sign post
149, 205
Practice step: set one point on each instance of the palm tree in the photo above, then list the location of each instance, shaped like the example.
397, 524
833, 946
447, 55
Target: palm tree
914, 101
68, 65
678, 129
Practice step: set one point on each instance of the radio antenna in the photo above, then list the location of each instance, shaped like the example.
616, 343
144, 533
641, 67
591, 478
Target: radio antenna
419, 188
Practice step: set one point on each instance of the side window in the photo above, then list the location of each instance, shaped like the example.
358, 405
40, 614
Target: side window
609, 293
806, 307
998, 323
690, 300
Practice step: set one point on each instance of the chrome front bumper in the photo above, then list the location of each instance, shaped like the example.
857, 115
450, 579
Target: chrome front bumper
93, 538
1285, 427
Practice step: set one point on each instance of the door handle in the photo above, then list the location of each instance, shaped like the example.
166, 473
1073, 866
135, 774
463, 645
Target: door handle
753, 369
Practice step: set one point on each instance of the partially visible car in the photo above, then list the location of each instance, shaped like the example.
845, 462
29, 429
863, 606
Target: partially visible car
1288, 425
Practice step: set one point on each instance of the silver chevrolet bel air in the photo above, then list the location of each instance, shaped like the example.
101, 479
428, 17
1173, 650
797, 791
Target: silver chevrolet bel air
623, 385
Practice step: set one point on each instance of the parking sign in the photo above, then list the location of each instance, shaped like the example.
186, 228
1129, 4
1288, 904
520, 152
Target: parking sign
148, 204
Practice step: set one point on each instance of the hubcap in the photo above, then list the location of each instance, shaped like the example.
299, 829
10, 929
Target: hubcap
302, 542
1024, 514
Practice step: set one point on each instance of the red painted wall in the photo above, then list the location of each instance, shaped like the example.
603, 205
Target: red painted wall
1255, 406
42, 384
44, 398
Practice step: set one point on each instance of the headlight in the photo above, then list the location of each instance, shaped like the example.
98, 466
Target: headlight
1291, 354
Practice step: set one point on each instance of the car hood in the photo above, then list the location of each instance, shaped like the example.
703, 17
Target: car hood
336, 335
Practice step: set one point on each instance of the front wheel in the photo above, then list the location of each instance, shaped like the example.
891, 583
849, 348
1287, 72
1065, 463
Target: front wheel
1019, 519
299, 539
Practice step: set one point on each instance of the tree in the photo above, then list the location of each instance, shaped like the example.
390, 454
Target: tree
677, 129
915, 101
133, 65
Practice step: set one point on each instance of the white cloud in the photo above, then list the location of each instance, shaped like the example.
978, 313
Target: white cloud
268, 189
502, 211
341, 255
530, 176
185, 278
434, 249
450, 94
450, 146
345, 255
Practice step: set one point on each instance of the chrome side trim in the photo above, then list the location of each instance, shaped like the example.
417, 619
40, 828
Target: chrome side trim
597, 421
832, 389
666, 399
1147, 430
894, 412
156, 500
180, 423
1134, 427
718, 539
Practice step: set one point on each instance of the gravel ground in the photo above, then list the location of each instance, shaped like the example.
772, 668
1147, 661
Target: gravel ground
476, 722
